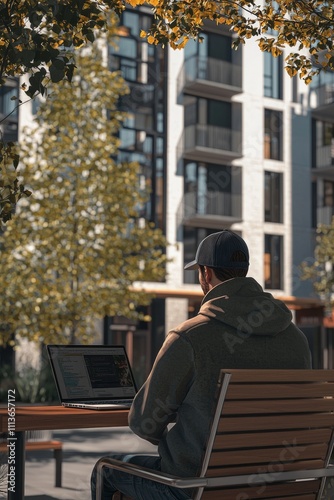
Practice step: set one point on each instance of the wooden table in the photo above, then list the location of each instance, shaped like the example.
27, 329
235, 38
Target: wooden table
31, 418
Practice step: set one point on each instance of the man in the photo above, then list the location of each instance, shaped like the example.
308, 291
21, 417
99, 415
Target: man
238, 326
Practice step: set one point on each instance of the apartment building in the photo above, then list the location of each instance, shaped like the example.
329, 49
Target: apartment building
225, 139
321, 98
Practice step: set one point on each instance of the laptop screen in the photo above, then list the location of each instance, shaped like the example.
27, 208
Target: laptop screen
91, 372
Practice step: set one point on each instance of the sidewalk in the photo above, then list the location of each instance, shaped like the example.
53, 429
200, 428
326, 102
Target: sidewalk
81, 449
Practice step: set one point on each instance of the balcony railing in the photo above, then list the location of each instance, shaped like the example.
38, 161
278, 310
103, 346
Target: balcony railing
211, 137
212, 70
215, 207
207, 71
324, 107
325, 215
212, 203
325, 94
325, 156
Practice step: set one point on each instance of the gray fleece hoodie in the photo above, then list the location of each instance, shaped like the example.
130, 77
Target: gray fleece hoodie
238, 326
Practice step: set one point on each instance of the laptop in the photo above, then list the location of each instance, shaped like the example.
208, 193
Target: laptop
96, 377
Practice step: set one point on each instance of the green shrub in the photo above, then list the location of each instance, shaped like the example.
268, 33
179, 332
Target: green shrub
31, 385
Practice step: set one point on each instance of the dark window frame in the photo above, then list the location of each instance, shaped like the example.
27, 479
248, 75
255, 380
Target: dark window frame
273, 262
273, 76
273, 134
273, 197
147, 101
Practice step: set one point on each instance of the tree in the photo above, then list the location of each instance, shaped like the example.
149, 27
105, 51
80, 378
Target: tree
11, 190
38, 39
299, 25
72, 253
320, 270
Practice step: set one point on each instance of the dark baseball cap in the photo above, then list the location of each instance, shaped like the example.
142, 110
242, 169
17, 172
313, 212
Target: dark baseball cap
217, 249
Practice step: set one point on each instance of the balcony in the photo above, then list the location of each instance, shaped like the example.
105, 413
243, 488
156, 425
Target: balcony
324, 160
325, 215
212, 210
325, 102
205, 76
210, 144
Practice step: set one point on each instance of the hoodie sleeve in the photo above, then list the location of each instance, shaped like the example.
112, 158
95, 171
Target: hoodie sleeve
157, 402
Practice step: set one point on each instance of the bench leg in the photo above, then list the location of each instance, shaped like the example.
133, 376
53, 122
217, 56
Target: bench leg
17, 493
58, 455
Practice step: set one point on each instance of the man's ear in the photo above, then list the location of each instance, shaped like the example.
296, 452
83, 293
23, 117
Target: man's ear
208, 274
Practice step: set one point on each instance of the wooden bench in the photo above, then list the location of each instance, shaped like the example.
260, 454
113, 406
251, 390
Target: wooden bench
56, 446
271, 438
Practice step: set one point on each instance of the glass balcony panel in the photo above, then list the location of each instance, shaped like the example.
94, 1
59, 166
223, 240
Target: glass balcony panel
325, 156
325, 94
202, 75
325, 215
210, 210
324, 107
212, 70
211, 137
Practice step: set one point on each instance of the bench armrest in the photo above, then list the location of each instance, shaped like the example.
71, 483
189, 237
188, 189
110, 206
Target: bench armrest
200, 482
144, 472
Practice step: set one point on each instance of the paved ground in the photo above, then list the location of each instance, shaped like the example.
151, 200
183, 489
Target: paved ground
82, 448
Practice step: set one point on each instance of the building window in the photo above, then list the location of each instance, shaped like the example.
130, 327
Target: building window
273, 261
212, 46
9, 110
191, 239
322, 202
213, 60
323, 144
132, 55
273, 72
273, 196
328, 194
314, 202
295, 94
208, 112
212, 124
325, 133
211, 189
143, 134
8, 100
323, 79
273, 134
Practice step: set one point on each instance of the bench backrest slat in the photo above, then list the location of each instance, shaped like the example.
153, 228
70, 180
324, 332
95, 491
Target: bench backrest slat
254, 468
268, 406
275, 422
280, 454
279, 376
244, 440
291, 390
